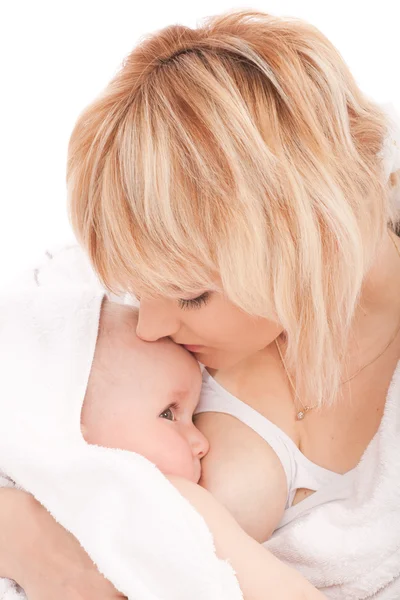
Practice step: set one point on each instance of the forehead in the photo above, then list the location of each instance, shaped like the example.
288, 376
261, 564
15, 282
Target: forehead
123, 351
166, 382
171, 367
180, 393
160, 358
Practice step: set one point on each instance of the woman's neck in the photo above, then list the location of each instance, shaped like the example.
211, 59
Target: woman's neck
376, 321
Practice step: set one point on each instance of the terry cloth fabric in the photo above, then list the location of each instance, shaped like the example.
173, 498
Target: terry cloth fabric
141, 533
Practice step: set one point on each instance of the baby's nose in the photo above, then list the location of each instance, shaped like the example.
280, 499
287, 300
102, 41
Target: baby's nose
199, 442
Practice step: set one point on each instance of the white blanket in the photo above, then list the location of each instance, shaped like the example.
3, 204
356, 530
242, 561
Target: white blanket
141, 533
346, 542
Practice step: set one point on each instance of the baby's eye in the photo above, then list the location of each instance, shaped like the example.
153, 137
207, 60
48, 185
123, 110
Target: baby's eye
168, 414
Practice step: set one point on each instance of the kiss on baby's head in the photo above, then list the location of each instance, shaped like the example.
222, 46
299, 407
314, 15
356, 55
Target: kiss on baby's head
141, 396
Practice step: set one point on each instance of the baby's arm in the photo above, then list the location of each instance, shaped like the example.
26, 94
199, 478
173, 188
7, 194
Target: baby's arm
259, 573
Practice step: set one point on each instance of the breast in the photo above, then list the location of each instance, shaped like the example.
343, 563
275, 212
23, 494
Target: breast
243, 472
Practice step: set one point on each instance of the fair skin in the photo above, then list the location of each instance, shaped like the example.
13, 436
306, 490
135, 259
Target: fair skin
141, 397
238, 351
333, 437
127, 407
259, 573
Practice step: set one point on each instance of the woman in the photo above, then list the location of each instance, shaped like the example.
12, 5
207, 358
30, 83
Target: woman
231, 177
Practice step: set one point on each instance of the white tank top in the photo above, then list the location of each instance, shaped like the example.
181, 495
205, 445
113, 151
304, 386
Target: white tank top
301, 473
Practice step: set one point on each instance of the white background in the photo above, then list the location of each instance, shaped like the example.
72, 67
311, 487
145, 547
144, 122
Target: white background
57, 55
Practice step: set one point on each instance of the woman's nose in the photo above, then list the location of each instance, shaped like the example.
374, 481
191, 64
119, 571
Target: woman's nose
156, 320
199, 443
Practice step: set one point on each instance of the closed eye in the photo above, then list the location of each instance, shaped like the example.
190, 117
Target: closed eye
194, 302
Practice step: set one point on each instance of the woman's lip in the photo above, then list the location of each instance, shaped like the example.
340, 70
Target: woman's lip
192, 348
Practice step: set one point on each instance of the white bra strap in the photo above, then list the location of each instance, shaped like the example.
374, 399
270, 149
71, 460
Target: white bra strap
301, 473
339, 489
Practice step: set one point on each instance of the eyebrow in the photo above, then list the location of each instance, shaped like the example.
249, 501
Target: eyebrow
178, 395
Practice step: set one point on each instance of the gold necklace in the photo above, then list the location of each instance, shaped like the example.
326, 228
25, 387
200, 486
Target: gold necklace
305, 409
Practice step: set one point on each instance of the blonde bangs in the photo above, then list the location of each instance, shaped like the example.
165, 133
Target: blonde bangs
238, 156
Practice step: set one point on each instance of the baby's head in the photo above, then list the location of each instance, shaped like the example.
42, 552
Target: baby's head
141, 396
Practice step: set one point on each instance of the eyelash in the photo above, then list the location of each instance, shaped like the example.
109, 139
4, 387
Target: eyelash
195, 302
173, 408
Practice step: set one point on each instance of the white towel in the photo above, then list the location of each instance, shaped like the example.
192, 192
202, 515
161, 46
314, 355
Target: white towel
141, 533
349, 545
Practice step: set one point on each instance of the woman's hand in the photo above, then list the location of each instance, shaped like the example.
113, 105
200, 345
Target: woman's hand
42, 557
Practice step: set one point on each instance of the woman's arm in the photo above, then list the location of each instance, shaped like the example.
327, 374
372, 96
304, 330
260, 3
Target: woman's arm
42, 557
259, 573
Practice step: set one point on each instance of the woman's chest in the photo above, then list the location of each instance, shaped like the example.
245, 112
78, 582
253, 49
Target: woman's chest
333, 437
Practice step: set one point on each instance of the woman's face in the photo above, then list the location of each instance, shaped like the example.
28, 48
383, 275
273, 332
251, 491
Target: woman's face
216, 331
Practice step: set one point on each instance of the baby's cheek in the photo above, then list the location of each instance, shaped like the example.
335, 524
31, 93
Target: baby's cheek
183, 469
176, 458
110, 429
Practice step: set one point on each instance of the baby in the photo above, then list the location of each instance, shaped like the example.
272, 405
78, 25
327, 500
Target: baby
141, 397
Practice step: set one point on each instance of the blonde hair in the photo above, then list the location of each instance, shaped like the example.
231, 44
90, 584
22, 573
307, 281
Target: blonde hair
242, 152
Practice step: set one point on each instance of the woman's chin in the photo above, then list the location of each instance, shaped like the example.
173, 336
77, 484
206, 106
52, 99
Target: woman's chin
216, 359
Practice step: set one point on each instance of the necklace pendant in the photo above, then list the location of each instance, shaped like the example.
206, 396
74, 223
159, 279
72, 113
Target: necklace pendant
302, 413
